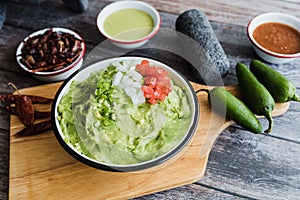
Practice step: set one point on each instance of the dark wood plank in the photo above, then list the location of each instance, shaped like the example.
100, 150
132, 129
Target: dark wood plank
227, 11
256, 166
4, 158
53, 13
10, 39
286, 127
21, 80
192, 191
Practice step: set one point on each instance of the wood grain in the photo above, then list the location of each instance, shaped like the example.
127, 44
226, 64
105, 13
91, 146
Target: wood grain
229, 11
39, 167
263, 166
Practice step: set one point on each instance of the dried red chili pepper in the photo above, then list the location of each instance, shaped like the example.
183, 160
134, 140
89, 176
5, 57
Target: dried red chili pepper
10, 98
25, 109
41, 114
7, 98
39, 99
35, 128
37, 114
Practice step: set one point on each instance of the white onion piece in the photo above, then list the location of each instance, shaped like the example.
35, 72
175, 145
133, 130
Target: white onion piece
130, 81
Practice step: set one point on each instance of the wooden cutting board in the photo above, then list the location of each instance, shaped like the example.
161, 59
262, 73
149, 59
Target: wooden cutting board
41, 169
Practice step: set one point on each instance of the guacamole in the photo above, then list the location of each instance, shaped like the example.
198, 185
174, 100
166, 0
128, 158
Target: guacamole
100, 120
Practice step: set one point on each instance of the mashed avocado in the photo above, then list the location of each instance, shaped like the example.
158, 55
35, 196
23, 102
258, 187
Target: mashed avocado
100, 120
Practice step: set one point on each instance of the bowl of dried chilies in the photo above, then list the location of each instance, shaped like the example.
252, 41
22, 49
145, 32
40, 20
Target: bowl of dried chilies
51, 54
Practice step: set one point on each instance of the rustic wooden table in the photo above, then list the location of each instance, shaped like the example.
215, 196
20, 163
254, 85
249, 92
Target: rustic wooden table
241, 164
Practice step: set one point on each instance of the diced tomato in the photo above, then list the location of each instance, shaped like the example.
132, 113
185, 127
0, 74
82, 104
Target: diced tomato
162, 71
156, 94
157, 83
150, 80
152, 71
143, 67
152, 101
163, 88
148, 91
162, 97
145, 62
164, 80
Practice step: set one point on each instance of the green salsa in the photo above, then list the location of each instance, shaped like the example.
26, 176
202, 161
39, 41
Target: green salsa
128, 24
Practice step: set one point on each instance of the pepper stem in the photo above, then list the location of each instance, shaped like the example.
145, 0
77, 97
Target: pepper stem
14, 86
295, 98
203, 90
269, 118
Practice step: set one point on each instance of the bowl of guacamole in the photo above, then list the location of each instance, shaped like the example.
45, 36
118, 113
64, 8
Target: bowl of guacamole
125, 114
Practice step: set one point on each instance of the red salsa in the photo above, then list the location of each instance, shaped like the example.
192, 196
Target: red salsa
278, 38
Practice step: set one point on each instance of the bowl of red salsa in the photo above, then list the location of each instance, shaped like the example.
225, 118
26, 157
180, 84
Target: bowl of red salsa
275, 37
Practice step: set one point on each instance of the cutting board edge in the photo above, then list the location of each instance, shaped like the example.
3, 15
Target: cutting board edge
200, 175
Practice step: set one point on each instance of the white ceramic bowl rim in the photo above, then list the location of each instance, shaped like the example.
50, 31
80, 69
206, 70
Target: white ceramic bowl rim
250, 27
98, 65
114, 7
57, 72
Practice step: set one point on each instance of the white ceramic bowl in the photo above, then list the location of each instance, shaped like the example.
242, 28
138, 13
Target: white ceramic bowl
58, 75
264, 53
178, 79
120, 5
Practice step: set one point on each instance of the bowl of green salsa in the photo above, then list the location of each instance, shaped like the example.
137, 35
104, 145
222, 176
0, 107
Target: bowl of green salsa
128, 24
